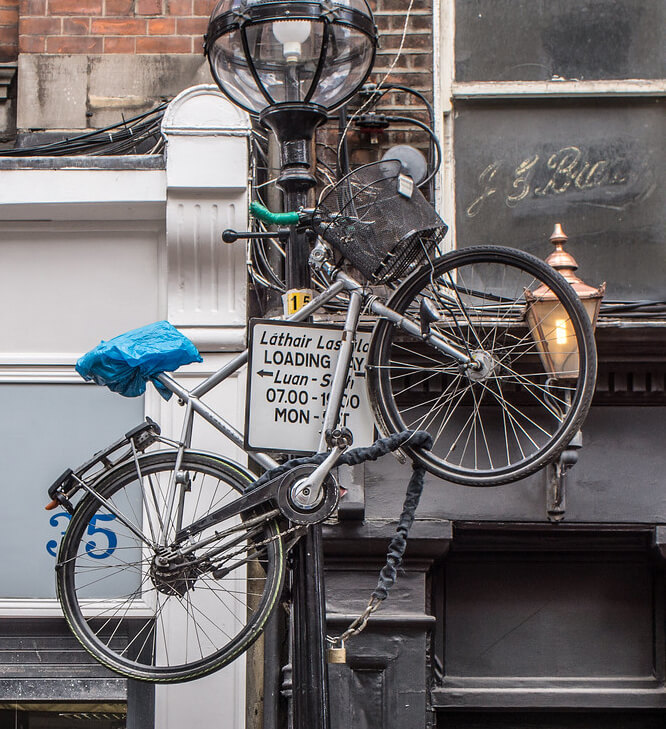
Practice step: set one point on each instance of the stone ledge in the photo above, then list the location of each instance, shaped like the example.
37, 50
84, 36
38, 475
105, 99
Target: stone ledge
7, 76
84, 162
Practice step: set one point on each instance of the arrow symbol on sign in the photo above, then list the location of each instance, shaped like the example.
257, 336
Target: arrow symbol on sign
265, 373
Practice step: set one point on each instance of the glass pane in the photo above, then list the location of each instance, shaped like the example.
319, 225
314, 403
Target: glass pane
45, 429
548, 618
286, 68
595, 167
349, 58
540, 40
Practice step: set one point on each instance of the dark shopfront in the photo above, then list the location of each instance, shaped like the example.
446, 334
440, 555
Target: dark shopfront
503, 618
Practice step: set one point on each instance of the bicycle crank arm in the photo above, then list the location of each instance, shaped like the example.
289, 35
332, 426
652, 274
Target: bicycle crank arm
308, 491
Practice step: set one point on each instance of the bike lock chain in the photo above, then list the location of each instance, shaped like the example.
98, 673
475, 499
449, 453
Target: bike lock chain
396, 550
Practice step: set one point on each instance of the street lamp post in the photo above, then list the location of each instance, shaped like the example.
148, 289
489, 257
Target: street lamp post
289, 62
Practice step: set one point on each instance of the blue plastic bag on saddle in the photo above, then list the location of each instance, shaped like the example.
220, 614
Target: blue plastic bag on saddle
127, 362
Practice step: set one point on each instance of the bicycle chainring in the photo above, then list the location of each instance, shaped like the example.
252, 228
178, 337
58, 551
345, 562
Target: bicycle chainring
300, 513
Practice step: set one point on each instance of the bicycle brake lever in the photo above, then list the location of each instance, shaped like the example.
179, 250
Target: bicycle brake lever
428, 315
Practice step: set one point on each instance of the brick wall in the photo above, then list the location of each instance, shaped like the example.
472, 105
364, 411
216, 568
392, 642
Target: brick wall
113, 26
8, 30
177, 26
171, 31
414, 68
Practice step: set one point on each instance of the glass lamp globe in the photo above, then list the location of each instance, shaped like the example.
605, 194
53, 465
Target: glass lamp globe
264, 53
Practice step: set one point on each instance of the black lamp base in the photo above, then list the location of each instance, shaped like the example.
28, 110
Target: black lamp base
294, 125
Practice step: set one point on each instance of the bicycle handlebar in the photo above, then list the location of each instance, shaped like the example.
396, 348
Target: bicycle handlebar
262, 213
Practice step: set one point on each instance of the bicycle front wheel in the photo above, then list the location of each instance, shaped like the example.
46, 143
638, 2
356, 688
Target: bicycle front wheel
532, 375
156, 609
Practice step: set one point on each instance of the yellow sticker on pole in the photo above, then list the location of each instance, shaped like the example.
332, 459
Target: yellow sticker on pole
296, 299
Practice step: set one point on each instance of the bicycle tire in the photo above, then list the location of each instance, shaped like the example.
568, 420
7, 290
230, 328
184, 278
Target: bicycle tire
149, 624
528, 416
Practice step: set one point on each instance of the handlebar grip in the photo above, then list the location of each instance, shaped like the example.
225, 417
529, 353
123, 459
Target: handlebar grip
262, 213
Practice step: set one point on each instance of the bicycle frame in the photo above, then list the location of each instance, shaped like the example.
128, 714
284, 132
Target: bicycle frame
357, 297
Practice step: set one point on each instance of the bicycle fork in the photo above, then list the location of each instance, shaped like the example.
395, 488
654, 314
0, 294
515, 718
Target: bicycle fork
309, 491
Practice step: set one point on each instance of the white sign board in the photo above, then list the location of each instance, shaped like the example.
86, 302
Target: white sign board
290, 372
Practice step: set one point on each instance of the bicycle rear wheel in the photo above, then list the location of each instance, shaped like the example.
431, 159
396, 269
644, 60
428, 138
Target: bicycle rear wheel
156, 610
513, 411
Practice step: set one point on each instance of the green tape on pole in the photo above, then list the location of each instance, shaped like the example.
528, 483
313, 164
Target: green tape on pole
262, 213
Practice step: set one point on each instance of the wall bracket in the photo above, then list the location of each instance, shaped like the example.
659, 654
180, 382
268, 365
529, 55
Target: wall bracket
556, 479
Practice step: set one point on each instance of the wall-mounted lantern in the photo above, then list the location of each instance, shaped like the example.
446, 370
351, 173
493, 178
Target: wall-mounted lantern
552, 331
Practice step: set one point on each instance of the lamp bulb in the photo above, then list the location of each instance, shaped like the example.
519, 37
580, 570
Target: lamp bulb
292, 33
561, 334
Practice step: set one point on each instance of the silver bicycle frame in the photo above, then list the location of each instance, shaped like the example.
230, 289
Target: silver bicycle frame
342, 282
357, 297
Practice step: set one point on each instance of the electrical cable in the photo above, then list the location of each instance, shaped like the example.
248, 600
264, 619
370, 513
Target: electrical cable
111, 140
379, 95
342, 158
386, 75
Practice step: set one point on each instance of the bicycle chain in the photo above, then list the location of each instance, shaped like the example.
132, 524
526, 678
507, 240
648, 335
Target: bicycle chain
279, 535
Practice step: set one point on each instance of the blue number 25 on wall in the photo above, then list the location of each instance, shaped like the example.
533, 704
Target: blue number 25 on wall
93, 550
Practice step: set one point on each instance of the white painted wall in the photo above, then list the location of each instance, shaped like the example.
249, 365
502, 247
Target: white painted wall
87, 253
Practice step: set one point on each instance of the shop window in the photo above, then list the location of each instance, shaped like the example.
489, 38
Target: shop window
564, 619
44, 429
554, 114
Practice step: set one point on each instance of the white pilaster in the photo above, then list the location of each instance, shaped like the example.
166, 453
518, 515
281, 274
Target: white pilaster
207, 180
207, 191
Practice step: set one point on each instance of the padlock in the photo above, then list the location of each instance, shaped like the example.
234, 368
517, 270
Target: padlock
337, 654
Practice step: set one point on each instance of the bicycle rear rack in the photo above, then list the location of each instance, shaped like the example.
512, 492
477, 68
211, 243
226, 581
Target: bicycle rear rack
69, 482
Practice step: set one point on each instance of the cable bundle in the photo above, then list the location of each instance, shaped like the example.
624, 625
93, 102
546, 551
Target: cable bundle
128, 137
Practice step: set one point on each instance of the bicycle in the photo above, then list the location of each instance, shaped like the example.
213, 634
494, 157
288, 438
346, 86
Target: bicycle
455, 352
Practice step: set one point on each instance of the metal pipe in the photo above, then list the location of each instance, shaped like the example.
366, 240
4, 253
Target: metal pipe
272, 671
310, 674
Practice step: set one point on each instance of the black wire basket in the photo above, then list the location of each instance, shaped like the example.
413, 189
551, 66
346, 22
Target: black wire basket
379, 221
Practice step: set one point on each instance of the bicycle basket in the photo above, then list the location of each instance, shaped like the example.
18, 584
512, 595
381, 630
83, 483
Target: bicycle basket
379, 221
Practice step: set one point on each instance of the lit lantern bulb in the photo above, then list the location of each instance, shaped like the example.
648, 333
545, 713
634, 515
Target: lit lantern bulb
292, 34
561, 331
